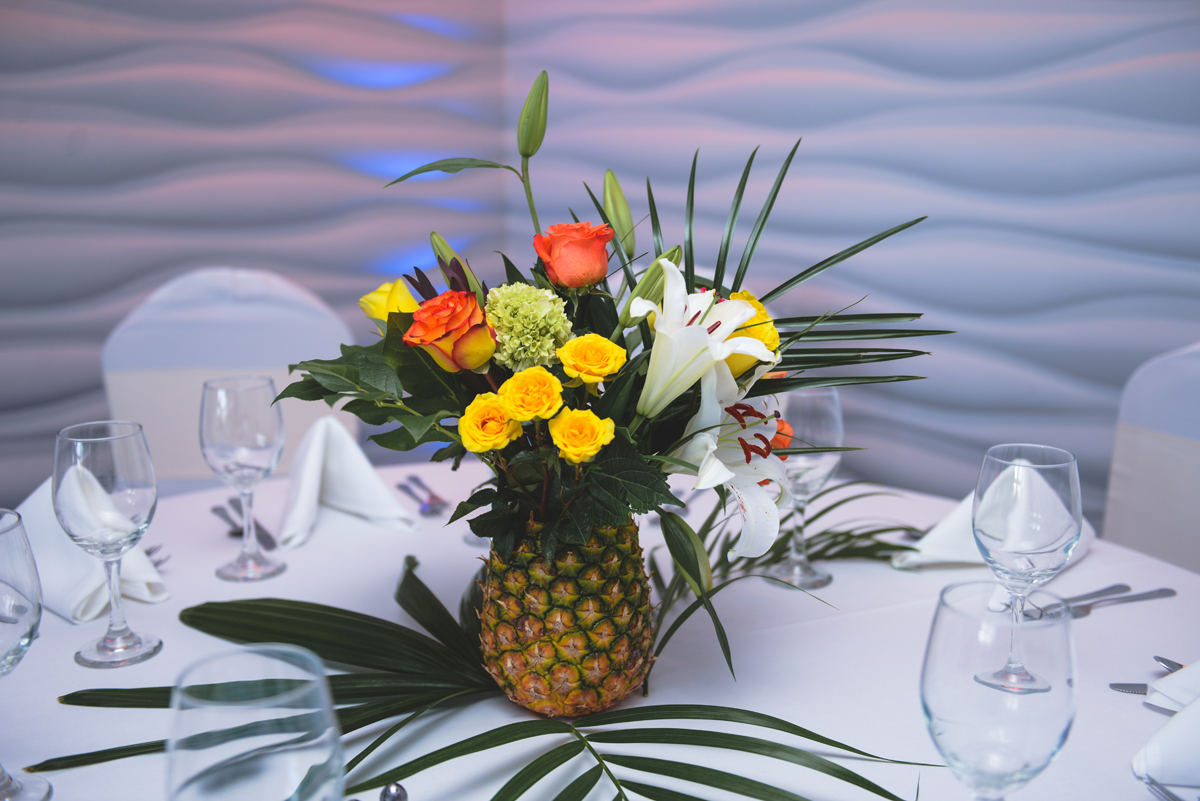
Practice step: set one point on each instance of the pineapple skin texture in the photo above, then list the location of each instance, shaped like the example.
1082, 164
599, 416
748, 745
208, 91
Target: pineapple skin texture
570, 637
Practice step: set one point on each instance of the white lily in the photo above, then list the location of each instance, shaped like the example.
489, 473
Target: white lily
730, 443
691, 334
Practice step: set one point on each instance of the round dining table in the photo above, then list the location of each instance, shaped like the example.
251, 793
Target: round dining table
844, 662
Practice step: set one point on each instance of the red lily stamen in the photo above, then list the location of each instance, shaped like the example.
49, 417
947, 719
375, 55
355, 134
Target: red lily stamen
749, 449
696, 317
740, 411
714, 326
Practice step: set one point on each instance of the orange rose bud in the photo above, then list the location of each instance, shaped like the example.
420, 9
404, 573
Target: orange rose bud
574, 253
782, 439
453, 329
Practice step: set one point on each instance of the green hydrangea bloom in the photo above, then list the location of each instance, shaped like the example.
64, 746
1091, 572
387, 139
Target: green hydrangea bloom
530, 324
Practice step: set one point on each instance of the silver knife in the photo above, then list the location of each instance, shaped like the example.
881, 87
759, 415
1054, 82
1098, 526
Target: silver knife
1170, 665
1136, 689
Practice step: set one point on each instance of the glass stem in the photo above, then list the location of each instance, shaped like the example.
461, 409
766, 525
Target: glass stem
799, 552
249, 535
1016, 662
8, 785
119, 635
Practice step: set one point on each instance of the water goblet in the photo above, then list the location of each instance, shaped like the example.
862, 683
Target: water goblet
996, 742
254, 723
815, 416
241, 435
104, 498
20, 613
1026, 519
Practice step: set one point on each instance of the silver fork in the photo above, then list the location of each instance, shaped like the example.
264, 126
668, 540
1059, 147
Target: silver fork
1159, 791
434, 500
424, 508
1083, 610
160, 561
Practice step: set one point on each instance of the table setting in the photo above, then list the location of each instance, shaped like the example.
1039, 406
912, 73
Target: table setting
629, 568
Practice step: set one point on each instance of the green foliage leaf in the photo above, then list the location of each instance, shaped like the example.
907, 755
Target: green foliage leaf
423, 606
511, 274
471, 605
401, 439
494, 523
731, 224
621, 476
616, 401
761, 223
306, 388
579, 789
655, 227
452, 166
370, 412
709, 777
689, 230
535, 771
478, 499
776, 385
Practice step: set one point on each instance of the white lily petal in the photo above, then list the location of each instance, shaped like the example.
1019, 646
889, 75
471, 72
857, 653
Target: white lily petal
640, 307
722, 350
761, 520
713, 471
674, 305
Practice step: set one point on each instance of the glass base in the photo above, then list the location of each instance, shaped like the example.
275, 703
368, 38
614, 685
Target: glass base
250, 567
26, 788
478, 542
126, 650
800, 574
1017, 682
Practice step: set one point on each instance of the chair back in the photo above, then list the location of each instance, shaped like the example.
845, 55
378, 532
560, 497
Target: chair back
208, 323
1154, 483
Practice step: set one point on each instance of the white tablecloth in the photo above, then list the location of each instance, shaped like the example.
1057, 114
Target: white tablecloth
849, 671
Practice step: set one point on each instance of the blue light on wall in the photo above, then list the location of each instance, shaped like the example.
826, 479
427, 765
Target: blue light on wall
402, 260
450, 29
391, 164
376, 74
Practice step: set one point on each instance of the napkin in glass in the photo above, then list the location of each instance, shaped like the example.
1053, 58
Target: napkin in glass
952, 541
74, 585
1172, 754
329, 469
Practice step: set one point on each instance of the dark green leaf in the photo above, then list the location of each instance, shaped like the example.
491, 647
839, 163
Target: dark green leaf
658, 793
655, 228
630, 280
535, 771
709, 777
400, 439
846, 319
624, 475
776, 385
307, 389
503, 735
730, 224
511, 274
618, 393
452, 166
454, 450
494, 523
579, 789
821, 266
869, 333
477, 500
96, 757
418, 426
471, 604
424, 607
759, 224
370, 412
689, 230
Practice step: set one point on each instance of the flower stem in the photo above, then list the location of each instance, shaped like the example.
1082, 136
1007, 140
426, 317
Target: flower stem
537, 226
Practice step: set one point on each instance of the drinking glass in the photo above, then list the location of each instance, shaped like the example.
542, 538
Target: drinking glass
1027, 517
241, 435
104, 497
815, 416
995, 742
20, 613
254, 723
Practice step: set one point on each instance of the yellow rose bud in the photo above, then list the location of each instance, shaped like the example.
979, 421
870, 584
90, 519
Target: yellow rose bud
388, 298
580, 434
591, 358
486, 426
531, 394
760, 327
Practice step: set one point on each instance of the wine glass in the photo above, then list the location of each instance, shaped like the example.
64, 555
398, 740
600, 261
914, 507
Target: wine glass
241, 435
20, 613
251, 724
815, 416
1027, 517
996, 742
104, 497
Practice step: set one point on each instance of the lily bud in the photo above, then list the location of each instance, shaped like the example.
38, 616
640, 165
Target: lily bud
455, 269
704, 582
651, 286
617, 210
531, 127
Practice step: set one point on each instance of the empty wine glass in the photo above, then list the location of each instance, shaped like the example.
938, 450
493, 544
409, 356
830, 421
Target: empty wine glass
104, 497
996, 742
20, 613
815, 416
1027, 517
251, 724
241, 435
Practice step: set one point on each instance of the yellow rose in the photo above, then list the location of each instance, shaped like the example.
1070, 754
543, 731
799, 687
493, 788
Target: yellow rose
532, 394
388, 298
759, 327
580, 434
591, 358
486, 426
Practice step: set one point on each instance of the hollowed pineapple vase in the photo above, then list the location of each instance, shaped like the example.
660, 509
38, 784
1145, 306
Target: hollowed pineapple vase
571, 636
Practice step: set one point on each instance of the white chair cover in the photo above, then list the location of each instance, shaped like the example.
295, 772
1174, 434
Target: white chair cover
209, 323
1154, 483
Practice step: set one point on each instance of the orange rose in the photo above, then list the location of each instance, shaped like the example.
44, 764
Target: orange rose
574, 253
783, 436
453, 329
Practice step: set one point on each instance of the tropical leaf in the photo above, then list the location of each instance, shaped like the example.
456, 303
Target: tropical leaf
870, 333
423, 606
709, 777
579, 789
761, 223
452, 166
689, 229
537, 770
730, 225
776, 385
655, 227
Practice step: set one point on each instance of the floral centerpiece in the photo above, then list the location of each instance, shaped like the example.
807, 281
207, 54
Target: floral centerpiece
582, 381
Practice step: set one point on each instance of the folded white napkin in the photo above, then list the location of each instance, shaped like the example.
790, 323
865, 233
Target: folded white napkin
329, 469
952, 542
1176, 690
73, 582
1172, 754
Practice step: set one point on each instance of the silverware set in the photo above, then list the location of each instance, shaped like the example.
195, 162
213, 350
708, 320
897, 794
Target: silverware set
1160, 792
235, 524
431, 505
157, 561
1082, 605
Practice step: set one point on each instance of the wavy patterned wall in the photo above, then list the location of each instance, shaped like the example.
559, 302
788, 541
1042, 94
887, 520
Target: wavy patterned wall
143, 138
1054, 146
